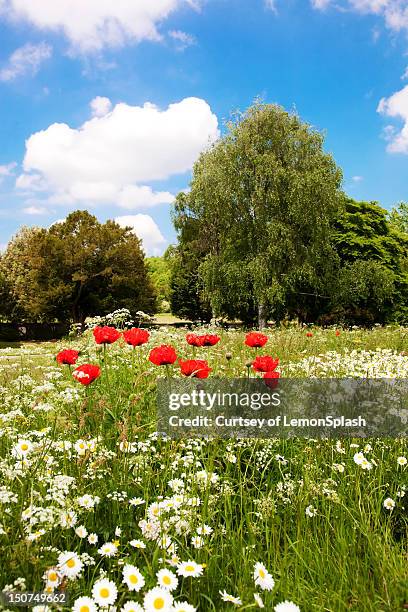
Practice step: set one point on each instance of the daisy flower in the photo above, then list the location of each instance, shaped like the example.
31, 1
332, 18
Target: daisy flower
286, 606
183, 606
93, 538
81, 531
230, 598
263, 578
389, 504
104, 592
52, 578
109, 549
158, 599
132, 578
310, 511
70, 565
402, 461
131, 606
189, 568
359, 458
84, 604
137, 544
167, 579
21, 449
197, 541
258, 600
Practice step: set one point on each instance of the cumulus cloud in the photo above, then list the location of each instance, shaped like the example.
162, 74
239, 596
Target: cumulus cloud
147, 230
91, 25
396, 106
112, 158
394, 12
25, 61
100, 106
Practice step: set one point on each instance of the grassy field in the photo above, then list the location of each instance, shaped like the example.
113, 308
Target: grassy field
92, 502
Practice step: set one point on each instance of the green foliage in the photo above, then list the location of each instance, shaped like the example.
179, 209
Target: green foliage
159, 271
373, 278
262, 201
77, 268
398, 217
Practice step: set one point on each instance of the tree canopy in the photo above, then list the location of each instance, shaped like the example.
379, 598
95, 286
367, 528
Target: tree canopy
261, 205
77, 268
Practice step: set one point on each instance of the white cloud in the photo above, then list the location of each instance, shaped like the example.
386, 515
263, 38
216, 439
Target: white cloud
135, 196
25, 61
396, 106
271, 4
183, 39
91, 25
147, 230
35, 210
357, 179
100, 106
110, 159
7, 170
394, 12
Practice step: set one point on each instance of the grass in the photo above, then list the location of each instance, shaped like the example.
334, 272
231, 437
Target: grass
256, 496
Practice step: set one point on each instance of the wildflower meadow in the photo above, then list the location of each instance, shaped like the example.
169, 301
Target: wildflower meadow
96, 504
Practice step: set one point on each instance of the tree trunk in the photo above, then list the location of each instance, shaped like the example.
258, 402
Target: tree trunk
262, 314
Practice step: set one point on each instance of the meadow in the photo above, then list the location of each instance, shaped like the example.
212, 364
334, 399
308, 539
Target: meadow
94, 503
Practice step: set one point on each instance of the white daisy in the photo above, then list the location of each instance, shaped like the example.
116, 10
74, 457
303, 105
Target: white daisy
358, 458
230, 598
402, 460
167, 579
263, 578
84, 604
197, 541
133, 578
131, 606
21, 449
183, 606
310, 511
109, 549
158, 599
189, 568
258, 600
286, 606
137, 544
93, 538
52, 577
104, 592
389, 504
81, 531
70, 565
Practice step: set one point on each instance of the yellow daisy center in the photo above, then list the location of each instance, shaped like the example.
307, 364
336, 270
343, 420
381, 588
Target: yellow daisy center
262, 573
52, 576
104, 592
71, 563
133, 579
158, 603
24, 447
166, 580
84, 609
189, 568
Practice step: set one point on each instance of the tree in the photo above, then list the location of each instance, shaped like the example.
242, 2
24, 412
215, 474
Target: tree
159, 271
398, 217
262, 201
77, 268
373, 277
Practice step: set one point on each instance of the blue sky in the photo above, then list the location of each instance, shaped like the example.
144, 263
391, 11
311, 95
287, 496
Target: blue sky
107, 107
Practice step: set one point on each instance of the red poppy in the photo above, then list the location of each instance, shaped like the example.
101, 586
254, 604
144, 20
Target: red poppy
309, 334
136, 336
194, 367
67, 357
209, 339
265, 363
194, 340
105, 335
87, 373
256, 339
272, 379
163, 355
337, 332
